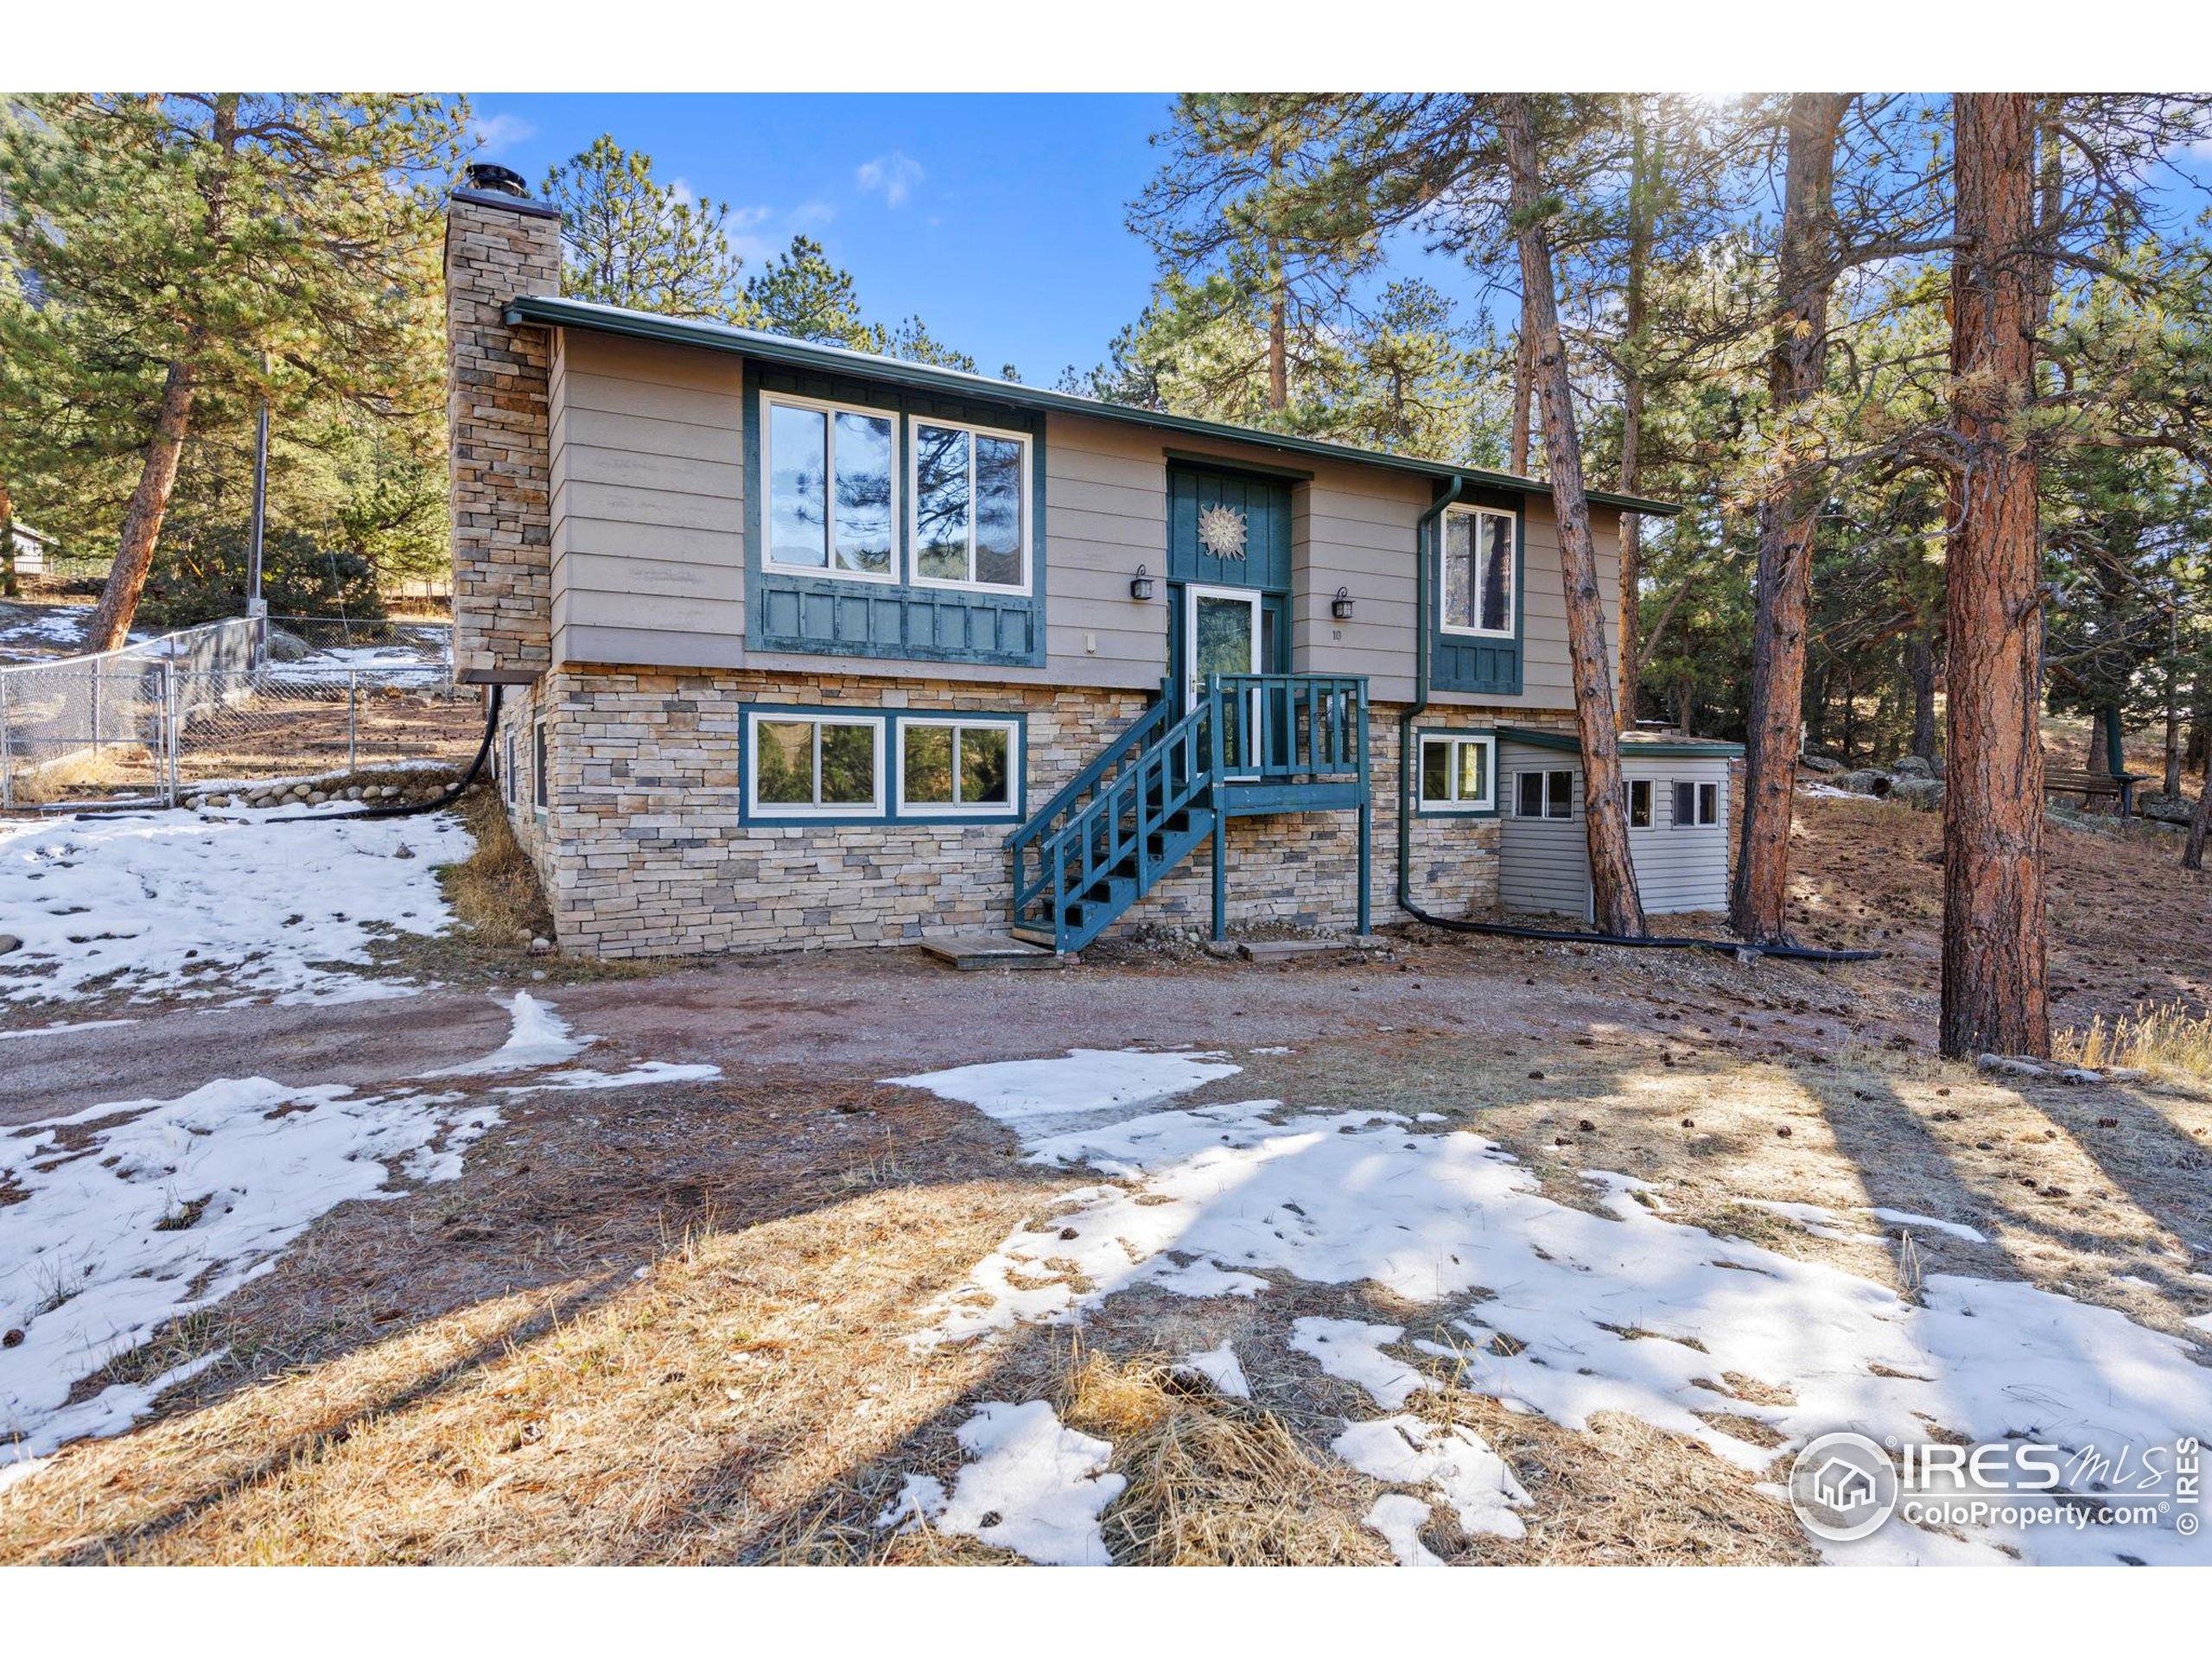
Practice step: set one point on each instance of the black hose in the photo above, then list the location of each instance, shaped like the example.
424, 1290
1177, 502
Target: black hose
1564, 936
408, 809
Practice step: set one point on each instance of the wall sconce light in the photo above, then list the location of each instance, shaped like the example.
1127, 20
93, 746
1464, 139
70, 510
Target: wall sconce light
1340, 606
1140, 584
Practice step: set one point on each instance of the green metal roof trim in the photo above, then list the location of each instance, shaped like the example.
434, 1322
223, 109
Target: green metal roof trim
1678, 748
799, 353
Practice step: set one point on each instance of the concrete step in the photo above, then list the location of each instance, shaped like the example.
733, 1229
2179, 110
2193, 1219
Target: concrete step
976, 948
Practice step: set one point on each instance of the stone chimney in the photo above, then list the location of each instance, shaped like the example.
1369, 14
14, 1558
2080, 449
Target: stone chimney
499, 244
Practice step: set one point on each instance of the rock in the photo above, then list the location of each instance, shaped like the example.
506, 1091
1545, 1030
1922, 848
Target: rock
9, 941
316, 797
2156, 804
280, 647
1922, 794
1821, 763
1912, 765
1863, 782
540, 946
525, 937
353, 792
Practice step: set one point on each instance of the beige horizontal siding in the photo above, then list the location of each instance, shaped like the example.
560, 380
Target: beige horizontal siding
648, 475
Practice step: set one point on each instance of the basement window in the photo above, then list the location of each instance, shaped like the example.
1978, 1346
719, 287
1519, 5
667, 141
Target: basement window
815, 765
1545, 795
1697, 806
958, 767
541, 795
1456, 772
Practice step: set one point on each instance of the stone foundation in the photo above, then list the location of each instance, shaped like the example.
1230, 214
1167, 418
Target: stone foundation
642, 852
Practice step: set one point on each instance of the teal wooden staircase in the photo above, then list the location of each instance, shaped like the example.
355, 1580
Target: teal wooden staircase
1253, 744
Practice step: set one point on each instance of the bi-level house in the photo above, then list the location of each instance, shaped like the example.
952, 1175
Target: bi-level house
801, 646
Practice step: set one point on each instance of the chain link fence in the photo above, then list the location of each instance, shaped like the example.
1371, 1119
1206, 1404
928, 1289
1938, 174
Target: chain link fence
211, 709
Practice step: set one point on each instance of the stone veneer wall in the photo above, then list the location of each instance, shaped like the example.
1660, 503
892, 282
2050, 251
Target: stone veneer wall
642, 854
497, 412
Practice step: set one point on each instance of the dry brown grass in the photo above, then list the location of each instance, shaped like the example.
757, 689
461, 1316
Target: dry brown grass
2170, 1041
494, 891
1213, 1481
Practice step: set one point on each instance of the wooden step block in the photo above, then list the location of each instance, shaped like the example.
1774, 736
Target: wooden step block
1283, 950
976, 948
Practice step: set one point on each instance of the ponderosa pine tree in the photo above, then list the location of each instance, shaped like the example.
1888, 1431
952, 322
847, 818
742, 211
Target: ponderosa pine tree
628, 240
1995, 990
179, 241
1617, 907
1806, 269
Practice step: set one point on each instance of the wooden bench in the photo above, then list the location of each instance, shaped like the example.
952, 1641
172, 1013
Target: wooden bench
2090, 784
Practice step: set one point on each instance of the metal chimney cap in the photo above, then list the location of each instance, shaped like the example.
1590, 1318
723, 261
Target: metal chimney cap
490, 175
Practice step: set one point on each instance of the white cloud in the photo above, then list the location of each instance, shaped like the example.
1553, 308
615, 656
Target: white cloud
895, 173
498, 132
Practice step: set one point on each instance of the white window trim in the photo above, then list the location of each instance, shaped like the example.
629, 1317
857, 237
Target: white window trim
914, 501
1512, 574
1545, 815
1651, 803
1011, 807
1697, 787
757, 808
831, 409
1427, 803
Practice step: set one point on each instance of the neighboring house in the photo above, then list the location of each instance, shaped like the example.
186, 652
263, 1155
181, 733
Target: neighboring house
31, 550
803, 646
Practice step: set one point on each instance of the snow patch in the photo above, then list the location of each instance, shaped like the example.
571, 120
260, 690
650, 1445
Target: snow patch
128, 1215
1034, 1487
1220, 1367
1932, 1223
172, 904
1580, 1312
1086, 1080
1353, 1351
1451, 1460
540, 1037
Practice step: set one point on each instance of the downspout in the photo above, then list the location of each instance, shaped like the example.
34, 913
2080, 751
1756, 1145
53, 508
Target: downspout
1420, 705
1408, 771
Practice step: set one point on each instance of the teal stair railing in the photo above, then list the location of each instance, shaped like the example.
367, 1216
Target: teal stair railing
1250, 744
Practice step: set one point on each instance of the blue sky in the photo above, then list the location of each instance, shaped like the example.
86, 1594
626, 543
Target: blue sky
997, 219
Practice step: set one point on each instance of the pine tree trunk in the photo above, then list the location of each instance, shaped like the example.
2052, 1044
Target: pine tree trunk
1995, 990
1634, 314
1518, 453
1797, 367
2200, 825
2171, 781
1616, 906
142, 522
1924, 696
8, 587
1279, 353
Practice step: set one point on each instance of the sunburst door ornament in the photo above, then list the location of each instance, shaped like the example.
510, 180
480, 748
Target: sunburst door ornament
1222, 529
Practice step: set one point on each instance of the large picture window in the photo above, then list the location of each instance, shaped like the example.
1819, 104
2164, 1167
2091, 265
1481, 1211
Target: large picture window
971, 506
831, 480
1477, 577
806, 765
958, 767
1456, 772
